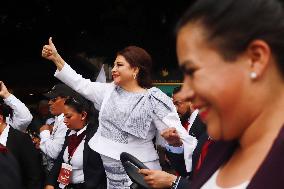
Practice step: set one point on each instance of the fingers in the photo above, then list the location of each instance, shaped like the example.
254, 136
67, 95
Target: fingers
51, 44
46, 51
50, 41
167, 131
144, 171
4, 93
2, 84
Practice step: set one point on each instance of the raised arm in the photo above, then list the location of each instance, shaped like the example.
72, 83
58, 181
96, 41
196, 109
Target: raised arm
49, 52
93, 91
21, 117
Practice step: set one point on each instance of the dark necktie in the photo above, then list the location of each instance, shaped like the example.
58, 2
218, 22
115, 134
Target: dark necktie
185, 124
74, 141
3, 149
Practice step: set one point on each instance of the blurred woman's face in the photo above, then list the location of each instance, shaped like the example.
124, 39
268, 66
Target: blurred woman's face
122, 72
72, 119
217, 87
56, 105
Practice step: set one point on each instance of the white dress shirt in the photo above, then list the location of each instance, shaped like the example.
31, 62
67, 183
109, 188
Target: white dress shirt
21, 114
51, 144
4, 135
76, 160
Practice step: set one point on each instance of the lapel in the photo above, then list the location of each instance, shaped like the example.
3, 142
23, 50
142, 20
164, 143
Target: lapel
11, 140
271, 172
269, 175
218, 153
198, 128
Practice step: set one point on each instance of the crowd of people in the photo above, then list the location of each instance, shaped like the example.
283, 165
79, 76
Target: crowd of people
222, 129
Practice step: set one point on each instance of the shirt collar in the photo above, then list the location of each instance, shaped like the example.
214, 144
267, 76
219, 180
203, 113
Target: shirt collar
4, 135
78, 132
60, 117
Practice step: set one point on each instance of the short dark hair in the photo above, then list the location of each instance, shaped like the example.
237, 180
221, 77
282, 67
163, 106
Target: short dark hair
176, 90
140, 58
231, 25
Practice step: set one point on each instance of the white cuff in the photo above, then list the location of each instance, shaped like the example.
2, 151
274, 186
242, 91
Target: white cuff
9, 99
173, 149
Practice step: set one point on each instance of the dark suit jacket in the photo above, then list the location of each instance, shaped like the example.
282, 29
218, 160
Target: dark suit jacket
23, 149
197, 130
94, 173
269, 175
10, 177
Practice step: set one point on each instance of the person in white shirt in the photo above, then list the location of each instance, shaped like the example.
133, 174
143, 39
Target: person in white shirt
22, 117
86, 165
52, 136
132, 112
17, 143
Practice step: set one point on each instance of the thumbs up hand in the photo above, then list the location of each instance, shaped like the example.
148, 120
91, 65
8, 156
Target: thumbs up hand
49, 51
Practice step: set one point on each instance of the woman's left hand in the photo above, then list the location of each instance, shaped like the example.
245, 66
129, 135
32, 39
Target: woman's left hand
4, 93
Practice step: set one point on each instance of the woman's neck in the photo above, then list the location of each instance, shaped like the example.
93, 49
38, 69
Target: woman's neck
266, 126
133, 87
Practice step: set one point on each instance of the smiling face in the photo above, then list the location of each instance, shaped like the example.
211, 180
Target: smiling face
122, 72
218, 86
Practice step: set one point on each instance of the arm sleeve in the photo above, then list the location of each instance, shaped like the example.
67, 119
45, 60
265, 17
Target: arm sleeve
21, 114
93, 91
189, 142
177, 162
183, 183
52, 146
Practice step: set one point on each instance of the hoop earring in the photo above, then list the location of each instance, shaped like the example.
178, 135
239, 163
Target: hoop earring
253, 75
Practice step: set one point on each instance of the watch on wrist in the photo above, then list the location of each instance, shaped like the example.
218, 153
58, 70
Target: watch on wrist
175, 183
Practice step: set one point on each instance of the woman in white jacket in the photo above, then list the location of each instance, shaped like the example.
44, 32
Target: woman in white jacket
131, 112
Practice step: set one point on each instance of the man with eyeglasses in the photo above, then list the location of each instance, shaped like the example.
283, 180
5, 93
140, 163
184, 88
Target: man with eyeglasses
188, 115
52, 136
192, 123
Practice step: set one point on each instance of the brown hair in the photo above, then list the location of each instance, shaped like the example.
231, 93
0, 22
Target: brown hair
138, 57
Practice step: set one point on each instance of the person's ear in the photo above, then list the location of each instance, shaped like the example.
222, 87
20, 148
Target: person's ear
84, 115
259, 54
